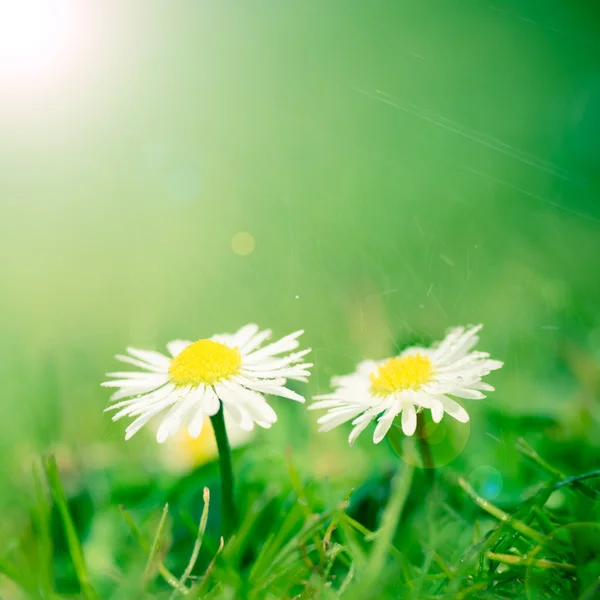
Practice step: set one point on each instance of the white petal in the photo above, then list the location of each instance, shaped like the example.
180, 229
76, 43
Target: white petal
271, 364
468, 340
132, 391
235, 405
285, 344
173, 419
223, 338
150, 381
243, 335
197, 423
177, 347
426, 401
140, 375
326, 404
273, 390
285, 393
448, 343
409, 419
159, 399
437, 412
416, 350
357, 430
456, 345
492, 365
212, 403
288, 373
332, 420
369, 414
468, 394
254, 342
139, 363
385, 422
250, 381
480, 385
366, 367
199, 415
136, 425
454, 409
147, 399
254, 403
155, 359
238, 415
463, 363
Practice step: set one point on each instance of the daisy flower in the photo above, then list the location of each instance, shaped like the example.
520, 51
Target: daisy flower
229, 370
418, 378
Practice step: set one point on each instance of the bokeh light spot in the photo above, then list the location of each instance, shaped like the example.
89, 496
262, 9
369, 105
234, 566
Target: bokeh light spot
486, 481
183, 182
243, 243
445, 440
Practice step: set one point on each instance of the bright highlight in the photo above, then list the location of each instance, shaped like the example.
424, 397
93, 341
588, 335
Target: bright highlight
33, 33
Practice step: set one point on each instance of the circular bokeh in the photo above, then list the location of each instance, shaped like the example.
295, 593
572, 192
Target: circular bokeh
433, 444
486, 481
242, 243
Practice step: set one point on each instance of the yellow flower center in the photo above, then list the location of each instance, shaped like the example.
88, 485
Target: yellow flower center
204, 361
402, 373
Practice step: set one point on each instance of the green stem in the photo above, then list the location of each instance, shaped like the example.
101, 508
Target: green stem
424, 447
228, 508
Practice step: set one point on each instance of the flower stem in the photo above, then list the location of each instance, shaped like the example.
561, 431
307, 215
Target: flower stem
228, 508
424, 447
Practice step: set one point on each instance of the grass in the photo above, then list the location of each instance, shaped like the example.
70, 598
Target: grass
432, 539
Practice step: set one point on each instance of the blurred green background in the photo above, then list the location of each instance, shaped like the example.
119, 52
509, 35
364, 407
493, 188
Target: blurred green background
400, 167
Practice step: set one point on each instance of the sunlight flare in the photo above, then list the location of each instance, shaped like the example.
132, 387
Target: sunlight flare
33, 33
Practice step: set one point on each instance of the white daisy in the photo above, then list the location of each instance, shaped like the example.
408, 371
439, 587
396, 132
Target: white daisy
418, 378
231, 370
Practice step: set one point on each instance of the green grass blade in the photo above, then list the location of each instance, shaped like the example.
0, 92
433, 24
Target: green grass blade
75, 549
41, 518
197, 543
304, 503
499, 514
199, 588
11, 572
389, 522
151, 563
524, 448
145, 546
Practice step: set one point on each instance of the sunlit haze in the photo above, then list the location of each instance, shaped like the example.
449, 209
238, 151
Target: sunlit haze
34, 34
